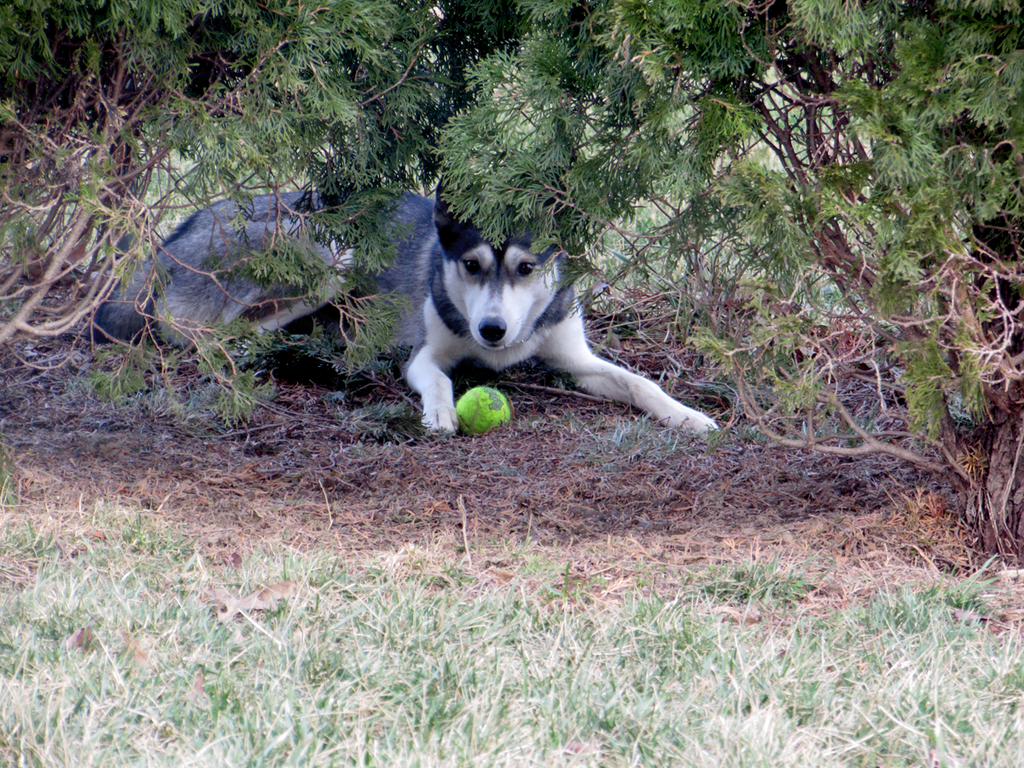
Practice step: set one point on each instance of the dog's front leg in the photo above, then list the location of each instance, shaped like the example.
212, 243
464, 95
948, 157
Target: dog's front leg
568, 350
427, 378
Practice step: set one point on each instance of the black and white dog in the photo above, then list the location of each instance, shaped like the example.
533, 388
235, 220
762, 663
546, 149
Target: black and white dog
496, 305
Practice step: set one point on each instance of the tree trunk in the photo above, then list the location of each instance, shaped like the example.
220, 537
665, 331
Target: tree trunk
996, 503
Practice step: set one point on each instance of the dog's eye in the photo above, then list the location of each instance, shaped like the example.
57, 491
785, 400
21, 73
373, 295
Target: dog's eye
472, 266
524, 269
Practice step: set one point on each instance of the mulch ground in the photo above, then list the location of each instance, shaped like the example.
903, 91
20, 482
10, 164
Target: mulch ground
570, 473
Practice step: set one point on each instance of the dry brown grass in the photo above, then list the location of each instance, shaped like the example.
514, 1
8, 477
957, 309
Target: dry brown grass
579, 479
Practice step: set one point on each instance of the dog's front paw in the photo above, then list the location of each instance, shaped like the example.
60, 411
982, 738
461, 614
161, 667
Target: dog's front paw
441, 419
701, 424
691, 421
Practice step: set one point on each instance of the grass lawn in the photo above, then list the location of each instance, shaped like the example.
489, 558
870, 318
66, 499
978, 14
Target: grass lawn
121, 644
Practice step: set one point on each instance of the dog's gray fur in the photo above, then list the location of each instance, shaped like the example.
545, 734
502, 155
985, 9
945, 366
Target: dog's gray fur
469, 299
195, 276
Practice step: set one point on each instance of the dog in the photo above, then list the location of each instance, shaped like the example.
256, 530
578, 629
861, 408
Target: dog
195, 281
468, 300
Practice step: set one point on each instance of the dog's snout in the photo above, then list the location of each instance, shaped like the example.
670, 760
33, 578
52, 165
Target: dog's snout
492, 329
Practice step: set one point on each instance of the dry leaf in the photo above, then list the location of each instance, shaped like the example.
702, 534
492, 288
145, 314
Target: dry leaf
133, 649
747, 616
969, 617
81, 639
197, 695
583, 747
503, 577
280, 591
618, 585
263, 600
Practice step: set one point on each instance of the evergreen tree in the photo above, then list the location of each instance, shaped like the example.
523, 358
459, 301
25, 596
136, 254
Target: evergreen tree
114, 113
861, 162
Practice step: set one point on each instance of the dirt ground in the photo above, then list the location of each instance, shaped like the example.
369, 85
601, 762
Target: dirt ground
582, 478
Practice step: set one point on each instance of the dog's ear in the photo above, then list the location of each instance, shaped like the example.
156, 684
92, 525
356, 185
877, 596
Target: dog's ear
442, 215
448, 227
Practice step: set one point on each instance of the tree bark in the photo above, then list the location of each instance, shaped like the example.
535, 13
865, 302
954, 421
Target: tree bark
996, 504
999, 500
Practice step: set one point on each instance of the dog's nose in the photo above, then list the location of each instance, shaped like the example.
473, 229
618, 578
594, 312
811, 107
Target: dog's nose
492, 329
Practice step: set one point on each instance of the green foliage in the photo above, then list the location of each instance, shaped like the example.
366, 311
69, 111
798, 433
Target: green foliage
118, 375
862, 163
386, 423
239, 391
100, 98
859, 162
927, 374
121, 374
368, 326
108, 106
116, 115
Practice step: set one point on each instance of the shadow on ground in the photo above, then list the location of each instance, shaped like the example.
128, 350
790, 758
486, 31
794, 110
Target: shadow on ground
568, 472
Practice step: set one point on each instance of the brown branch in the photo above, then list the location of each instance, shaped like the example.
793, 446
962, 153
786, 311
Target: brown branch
808, 441
20, 320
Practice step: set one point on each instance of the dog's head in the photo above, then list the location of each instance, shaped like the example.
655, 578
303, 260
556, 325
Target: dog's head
502, 291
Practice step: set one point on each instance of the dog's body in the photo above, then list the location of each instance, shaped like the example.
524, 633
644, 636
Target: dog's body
196, 286
470, 300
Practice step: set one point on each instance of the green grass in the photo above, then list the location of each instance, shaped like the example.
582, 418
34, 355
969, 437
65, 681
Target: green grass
762, 583
389, 664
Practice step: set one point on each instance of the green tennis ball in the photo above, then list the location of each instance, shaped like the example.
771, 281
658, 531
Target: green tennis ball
482, 409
